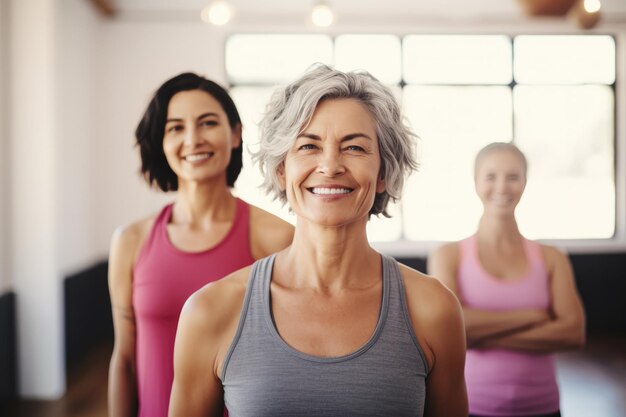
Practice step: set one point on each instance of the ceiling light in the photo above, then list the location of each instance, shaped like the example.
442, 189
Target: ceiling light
586, 14
322, 15
592, 6
217, 13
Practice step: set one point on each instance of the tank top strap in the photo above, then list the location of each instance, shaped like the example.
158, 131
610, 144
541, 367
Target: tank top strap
533, 252
241, 224
397, 314
158, 227
467, 249
253, 302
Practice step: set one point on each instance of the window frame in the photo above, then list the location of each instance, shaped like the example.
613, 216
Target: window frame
616, 243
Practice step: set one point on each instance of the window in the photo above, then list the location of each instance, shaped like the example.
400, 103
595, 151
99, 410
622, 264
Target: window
554, 96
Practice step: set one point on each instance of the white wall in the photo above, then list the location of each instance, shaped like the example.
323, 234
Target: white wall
51, 77
76, 133
33, 200
4, 232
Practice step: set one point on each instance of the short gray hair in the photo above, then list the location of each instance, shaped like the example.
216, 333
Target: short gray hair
291, 108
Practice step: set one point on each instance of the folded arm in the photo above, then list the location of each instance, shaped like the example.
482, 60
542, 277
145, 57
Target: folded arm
566, 327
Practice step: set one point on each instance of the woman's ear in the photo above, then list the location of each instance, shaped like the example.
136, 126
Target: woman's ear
380, 185
280, 173
236, 136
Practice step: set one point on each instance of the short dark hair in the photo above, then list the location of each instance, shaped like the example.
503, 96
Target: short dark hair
151, 129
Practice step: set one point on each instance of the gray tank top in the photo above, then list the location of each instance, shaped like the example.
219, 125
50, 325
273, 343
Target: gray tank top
263, 376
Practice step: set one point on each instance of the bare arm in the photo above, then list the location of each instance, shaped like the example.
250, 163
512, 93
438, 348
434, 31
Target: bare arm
268, 233
566, 328
206, 328
480, 324
122, 369
437, 317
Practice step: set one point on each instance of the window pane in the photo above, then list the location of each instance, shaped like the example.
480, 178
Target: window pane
274, 58
250, 102
382, 60
564, 59
453, 124
443, 59
567, 136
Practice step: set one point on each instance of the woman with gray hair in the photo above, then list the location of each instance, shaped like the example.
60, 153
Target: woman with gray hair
328, 326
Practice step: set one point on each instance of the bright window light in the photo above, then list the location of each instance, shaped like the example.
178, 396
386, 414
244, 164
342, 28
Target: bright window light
458, 59
274, 59
565, 59
458, 93
381, 50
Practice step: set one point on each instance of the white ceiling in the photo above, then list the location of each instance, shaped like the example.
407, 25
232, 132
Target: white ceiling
614, 10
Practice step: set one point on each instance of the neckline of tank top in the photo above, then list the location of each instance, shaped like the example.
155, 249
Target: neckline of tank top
380, 324
170, 245
530, 264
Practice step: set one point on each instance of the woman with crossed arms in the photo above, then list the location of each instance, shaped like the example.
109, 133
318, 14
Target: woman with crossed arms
519, 298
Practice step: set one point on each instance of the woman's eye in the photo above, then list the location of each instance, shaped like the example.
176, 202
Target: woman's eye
209, 123
306, 147
355, 148
174, 128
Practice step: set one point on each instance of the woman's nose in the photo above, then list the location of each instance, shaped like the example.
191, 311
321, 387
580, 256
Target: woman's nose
331, 163
191, 137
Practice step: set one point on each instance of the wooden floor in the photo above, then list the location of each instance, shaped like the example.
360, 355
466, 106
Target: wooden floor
592, 382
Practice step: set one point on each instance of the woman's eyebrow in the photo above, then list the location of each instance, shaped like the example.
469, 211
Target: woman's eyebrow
351, 136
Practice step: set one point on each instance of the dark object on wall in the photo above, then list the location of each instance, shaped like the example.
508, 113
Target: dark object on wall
601, 282
88, 321
8, 348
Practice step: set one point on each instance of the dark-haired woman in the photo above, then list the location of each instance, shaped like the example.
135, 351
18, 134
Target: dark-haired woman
190, 142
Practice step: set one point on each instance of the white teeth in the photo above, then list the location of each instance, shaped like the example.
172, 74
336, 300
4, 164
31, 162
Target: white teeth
319, 190
198, 156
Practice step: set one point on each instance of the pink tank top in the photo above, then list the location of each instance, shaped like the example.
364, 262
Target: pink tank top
503, 382
163, 278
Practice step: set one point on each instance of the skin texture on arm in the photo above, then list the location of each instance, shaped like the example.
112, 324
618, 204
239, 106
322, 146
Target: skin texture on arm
206, 328
268, 234
566, 327
122, 370
480, 324
438, 323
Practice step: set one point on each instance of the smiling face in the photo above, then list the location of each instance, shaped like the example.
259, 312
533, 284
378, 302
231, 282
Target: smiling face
198, 139
331, 173
500, 180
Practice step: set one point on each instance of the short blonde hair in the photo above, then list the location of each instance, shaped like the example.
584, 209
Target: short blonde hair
500, 146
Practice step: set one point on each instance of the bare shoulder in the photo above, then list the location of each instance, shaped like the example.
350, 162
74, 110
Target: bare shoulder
553, 256
126, 243
448, 252
435, 312
262, 218
131, 237
217, 298
427, 294
218, 304
443, 263
211, 315
268, 233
